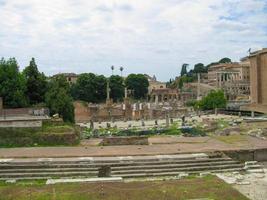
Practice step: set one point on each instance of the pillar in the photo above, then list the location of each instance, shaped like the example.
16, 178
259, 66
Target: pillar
156, 99
1, 104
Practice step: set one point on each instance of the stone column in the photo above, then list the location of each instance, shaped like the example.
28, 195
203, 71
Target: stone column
1, 104
156, 99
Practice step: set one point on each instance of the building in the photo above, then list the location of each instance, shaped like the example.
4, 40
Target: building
258, 80
233, 78
154, 84
70, 77
164, 95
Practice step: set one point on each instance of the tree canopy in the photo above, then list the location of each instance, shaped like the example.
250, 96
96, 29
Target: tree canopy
12, 84
215, 99
184, 69
117, 87
58, 99
90, 87
225, 60
35, 83
139, 84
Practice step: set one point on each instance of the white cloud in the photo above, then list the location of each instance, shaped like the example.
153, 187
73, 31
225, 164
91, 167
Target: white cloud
152, 36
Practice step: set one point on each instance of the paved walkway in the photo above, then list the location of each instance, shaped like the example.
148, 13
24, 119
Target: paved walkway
182, 145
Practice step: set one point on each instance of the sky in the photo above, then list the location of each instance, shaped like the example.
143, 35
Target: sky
144, 36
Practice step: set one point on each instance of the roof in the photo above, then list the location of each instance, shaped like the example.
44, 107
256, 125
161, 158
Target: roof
263, 51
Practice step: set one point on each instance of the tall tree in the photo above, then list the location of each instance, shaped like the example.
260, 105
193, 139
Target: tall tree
139, 84
12, 84
58, 99
117, 87
35, 83
184, 69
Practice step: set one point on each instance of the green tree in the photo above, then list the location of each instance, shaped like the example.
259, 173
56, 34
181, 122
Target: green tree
215, 99
139, 84
117, 87
90, 88
58, 99
184, 69
225, 60
12, 84
200, 68
36, 84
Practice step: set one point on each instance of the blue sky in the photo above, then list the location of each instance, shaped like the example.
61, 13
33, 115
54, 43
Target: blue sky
151, 36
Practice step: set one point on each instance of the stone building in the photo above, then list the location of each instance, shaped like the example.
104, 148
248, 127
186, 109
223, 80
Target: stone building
154, 84
258, 77
164, 95
70, 77
233, 78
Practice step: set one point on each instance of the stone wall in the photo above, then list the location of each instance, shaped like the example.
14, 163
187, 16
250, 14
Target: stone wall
19, 123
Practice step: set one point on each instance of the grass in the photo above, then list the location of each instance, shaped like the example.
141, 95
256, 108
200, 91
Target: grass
231, 139
190, 188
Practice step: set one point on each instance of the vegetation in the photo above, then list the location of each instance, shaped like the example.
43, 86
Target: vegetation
12, 84
215, 99
138, 83
90, 88
208, 187
58, 99
36, 84
184, 69
117, 87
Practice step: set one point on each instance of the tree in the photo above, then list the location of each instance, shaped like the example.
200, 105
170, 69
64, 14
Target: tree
117, 87
225, 60
90, 88
35, 83
58, 99
184, 69
12, 84
139, 84
200, 68
215, 99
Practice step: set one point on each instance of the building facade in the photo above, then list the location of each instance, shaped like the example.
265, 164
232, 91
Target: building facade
258, 77
233, 78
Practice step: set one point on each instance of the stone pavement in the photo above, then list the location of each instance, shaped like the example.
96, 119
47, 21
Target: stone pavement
182, 145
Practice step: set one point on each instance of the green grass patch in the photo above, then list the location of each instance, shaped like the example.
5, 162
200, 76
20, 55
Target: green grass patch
190, 188
231, 139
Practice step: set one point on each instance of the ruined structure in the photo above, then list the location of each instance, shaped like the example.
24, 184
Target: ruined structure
164, 95
70, 77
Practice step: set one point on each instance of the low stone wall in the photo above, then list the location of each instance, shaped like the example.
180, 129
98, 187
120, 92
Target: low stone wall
20, 123
248, 155
113, 141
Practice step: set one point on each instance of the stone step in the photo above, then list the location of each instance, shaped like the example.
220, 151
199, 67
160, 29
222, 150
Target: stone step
178, 165
48, 170
139, 175
128, 167
194, 168
49, 174
91, 164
